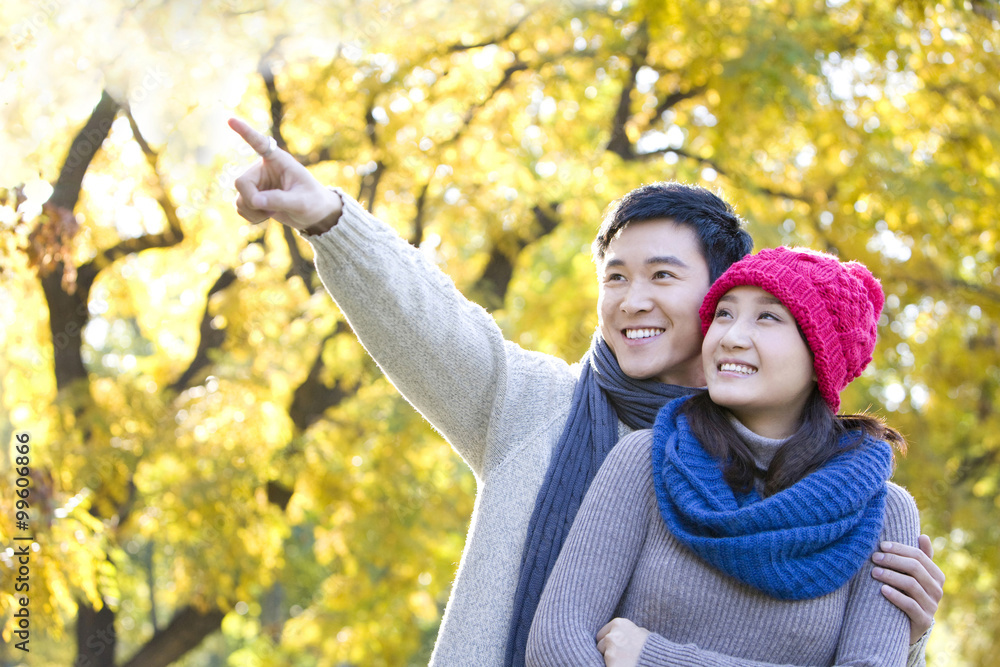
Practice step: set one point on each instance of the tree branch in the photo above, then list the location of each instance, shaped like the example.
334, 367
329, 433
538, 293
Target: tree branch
171, 237
470, 113
722, 171
186, 630
317, 156
312, 398
299, 266
493, 40
619, 143
162, 194
418, 217
210, 337
985, 9
327, 153
954, 285
88, 141
368, 189
676, 97
276, 106
491, 287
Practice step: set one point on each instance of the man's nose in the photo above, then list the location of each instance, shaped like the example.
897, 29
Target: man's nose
637, 298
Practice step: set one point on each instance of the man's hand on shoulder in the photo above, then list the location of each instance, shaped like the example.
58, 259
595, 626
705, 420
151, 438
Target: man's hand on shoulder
912, 582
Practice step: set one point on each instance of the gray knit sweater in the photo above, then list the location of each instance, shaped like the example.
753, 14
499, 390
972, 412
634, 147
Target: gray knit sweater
501, 407
620, 560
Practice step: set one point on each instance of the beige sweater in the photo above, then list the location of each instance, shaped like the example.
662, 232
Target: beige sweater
501, 407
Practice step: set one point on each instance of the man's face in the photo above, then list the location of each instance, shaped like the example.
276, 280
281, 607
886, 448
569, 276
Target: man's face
652, 281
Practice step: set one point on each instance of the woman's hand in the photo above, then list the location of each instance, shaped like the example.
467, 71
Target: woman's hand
279, 187
620, 642
914, 582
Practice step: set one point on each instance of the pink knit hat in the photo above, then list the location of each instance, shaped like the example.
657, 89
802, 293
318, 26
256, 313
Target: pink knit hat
836, 304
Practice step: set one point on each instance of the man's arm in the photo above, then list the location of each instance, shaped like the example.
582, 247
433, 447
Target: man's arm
444, 353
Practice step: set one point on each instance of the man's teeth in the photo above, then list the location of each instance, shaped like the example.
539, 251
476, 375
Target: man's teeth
642, 333
738, 368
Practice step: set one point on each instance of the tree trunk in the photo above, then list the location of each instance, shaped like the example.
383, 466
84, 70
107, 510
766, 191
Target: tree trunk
95, 636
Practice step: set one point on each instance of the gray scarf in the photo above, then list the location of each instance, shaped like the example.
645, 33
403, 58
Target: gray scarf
603, 396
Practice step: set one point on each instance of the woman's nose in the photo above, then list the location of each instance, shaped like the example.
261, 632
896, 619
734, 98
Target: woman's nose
737, 335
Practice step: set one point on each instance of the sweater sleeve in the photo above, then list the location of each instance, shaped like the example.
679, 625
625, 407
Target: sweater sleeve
596, 563
918, 650
445, 354
874, 632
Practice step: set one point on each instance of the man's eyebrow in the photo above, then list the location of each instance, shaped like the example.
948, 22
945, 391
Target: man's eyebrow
659, 259
667, 259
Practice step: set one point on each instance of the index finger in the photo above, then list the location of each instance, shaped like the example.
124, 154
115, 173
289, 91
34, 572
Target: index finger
914, 554
260, 143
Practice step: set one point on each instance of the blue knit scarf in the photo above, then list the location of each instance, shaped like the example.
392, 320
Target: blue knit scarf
603, 395
802, 542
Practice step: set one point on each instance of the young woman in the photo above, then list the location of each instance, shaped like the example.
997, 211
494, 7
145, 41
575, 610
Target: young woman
739, 530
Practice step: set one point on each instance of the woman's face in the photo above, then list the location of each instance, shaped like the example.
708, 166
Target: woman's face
756, 362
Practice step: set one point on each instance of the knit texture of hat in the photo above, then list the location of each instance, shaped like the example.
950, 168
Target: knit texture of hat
836, 304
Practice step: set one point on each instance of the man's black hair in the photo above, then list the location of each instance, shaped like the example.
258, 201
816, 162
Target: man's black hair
719, 229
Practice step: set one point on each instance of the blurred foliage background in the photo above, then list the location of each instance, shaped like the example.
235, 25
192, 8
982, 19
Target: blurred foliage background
221, 476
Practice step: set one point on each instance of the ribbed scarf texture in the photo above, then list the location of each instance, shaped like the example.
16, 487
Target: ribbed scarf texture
603, 395
802, 542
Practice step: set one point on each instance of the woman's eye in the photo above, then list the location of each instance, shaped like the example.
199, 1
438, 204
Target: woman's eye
768, 316
721, 312
661, 275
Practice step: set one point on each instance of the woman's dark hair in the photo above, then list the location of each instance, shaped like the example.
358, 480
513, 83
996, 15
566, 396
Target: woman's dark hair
820, 436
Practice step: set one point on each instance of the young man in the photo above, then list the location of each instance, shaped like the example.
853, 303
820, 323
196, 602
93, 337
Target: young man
533, 428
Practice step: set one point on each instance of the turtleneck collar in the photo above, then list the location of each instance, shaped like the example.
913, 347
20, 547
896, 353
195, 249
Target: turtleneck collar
763, 449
